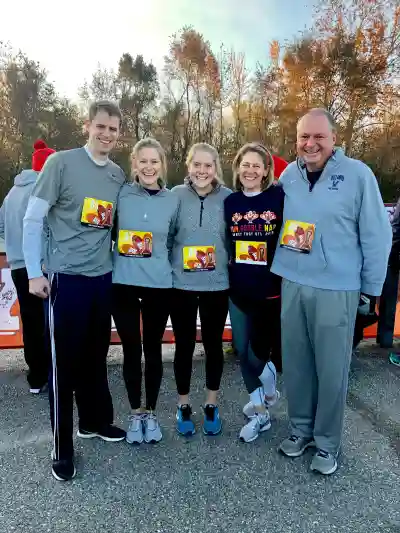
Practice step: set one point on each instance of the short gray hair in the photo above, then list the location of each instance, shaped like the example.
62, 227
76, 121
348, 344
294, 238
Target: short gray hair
320, 111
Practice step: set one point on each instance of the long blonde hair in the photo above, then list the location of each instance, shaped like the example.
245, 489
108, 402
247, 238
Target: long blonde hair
149, 142
266, 157
204, 147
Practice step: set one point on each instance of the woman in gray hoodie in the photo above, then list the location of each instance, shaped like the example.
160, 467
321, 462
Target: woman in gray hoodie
200, 281
142, 282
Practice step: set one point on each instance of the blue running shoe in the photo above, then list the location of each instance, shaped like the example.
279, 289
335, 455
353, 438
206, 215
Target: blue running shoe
212, 424
184, 423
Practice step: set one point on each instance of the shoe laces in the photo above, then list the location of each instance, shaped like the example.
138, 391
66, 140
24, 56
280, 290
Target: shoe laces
294, 438
323, 454
209, 411
186, 411
136, 420
151, 421
258, 419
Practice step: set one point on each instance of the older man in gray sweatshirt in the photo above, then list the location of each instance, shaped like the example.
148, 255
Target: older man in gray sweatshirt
334, 247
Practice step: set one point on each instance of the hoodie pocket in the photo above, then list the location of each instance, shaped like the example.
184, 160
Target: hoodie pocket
315, 261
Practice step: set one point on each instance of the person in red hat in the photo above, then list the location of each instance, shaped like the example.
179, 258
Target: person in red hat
40, 154
31, 307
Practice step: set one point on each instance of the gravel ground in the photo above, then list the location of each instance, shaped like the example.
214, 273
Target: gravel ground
203, 484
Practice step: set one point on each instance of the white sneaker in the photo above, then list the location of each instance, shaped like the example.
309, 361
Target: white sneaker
35, 391
249, 409
134, 435
151, 429
256, 425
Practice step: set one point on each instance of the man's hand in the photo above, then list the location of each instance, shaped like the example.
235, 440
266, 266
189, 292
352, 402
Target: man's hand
39, 287
367, 304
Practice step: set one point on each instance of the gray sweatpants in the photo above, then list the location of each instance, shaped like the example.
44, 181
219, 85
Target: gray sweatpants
317, 336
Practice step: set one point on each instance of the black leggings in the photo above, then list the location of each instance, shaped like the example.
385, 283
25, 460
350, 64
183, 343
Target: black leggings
126, 308
213, 310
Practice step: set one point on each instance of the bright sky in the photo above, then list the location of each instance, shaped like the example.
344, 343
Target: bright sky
70, 41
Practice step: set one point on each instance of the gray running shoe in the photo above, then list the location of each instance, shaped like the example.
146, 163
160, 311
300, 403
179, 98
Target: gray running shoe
151, 429
324, 463
256, 425
249, 408
134, 434
295, 446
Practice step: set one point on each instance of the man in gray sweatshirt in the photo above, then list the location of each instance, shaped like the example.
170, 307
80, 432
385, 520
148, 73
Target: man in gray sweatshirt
334, 246
77, 191
31, 307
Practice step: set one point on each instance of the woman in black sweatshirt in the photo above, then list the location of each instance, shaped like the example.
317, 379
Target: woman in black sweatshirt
253, 216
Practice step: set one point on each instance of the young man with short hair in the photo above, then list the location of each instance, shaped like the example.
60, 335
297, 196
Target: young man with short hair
77, 191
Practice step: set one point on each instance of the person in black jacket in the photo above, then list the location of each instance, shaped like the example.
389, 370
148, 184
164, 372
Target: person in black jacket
388, 301
253, 216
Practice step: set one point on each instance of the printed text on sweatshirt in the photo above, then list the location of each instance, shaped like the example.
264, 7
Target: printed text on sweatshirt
254, 224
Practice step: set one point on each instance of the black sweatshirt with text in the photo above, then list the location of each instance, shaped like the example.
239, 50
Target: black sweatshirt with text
253, 225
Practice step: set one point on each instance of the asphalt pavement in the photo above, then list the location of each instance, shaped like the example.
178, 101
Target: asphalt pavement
203, 484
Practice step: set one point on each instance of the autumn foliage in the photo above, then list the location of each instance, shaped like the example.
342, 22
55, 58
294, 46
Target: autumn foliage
348, 62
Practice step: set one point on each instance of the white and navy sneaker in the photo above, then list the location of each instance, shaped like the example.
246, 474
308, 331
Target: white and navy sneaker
258, 423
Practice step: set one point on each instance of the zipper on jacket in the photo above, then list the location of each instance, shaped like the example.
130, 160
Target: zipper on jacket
201, 211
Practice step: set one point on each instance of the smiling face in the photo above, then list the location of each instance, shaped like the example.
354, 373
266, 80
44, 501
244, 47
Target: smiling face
315, 140
202, 171
103, 133
252, 171
148, 167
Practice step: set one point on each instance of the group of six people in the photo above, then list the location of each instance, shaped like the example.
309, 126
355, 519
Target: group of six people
288, 259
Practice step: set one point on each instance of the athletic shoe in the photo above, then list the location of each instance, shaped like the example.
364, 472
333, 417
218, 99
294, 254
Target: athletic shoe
295, 446
39, 390
135, 434
63, 470
257, 424
151, 429
394, 358
249, 409
212, 424
323, 462
184, 423
108, 433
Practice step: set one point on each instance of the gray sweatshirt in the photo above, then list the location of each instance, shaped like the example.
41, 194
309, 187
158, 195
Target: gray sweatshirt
12, 214
144, 227
79, 198
200, 249
350, 233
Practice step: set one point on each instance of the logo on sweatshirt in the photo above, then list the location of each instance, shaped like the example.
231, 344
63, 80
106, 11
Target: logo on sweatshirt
336, 179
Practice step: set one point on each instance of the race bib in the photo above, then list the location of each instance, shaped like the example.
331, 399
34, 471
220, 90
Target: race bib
97, 213
251, 252
135, 243
298, 236
198, 258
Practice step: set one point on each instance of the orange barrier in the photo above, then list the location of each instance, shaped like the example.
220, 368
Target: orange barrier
11, 325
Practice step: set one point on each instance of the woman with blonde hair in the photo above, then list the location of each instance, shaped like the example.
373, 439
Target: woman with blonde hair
253, 215
142, 281
200, 282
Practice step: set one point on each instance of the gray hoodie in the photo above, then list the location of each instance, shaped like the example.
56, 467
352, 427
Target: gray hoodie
351, 236
12, 215
200, 240
141, 217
